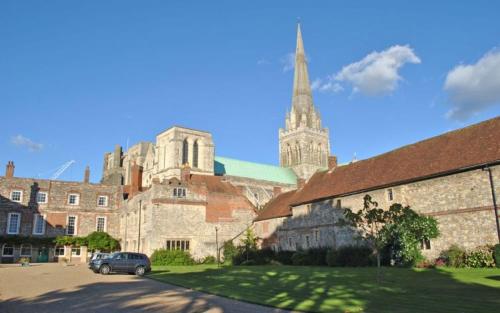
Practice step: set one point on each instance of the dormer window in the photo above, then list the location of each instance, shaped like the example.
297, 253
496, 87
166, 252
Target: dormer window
179, 192
16, 196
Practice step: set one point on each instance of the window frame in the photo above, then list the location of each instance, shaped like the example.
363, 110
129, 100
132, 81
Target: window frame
79, 249
37, 216
63, 251
178, 244
106, 199
46, 197
77, 197
179, 192
74, 226
390, 194
21, 194
97, 223
9, 217
3, 250
21, 250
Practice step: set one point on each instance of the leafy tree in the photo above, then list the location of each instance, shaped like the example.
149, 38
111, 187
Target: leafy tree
399, 226
102, 241
249, 242
229, 251
368, 223
406, 232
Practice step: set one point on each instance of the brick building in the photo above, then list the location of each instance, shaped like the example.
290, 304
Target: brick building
40, 208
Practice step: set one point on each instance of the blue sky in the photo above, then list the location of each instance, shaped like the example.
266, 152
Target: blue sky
78, 77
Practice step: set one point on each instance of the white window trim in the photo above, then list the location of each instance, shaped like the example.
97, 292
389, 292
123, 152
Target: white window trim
77, 198
18, 223
21, 250
64, 251
21, 197
105, 203
75, 227
74, 254
36, 216
105, 222
13, 248
46, 197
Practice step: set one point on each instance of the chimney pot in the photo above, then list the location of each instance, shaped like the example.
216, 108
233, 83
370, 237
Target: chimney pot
186, 173
9, 170
300, 182
86, 176
332, 162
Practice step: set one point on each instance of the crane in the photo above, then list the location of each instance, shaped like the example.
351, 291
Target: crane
63, 168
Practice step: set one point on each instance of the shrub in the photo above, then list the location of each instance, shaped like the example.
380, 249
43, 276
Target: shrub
229, 251
353, 256
301, 258
284, 257
454, 256
496, 255
317, 256
209, 259
480, 257
171, 257
331, 257
440, 262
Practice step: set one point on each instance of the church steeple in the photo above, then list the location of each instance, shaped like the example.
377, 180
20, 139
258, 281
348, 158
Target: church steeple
304, 143
302, 97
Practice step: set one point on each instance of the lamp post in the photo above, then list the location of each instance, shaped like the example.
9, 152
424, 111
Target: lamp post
493, 197
217, 245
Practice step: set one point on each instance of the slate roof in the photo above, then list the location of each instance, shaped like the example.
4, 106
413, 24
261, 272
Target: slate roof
232, 167
451, 152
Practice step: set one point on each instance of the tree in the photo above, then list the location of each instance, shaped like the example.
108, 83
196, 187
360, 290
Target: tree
407, 231
400, 227
368, 222
102, 241
249, 242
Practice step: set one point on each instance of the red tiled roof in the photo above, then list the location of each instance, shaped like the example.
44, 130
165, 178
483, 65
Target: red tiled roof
278, 206
457, 150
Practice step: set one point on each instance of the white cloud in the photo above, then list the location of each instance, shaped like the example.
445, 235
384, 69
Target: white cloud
329, 86
377, 73
22, 141
472, 88
288, 61
263, 62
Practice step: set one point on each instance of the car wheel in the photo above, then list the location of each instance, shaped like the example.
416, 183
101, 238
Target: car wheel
105, 269
140, 271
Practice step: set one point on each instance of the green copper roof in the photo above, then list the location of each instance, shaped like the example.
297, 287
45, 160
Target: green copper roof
232, 167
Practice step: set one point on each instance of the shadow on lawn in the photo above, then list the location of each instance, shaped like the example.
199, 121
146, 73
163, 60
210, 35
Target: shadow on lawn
322, 289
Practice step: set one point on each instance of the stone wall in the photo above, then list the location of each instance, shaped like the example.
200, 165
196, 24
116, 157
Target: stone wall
462, 204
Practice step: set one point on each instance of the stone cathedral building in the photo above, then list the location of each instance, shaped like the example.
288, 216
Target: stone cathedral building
176, 193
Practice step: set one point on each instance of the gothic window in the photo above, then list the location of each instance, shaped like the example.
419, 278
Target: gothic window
185, 149
195, 154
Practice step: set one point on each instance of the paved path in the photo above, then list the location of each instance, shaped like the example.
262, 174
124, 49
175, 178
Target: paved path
56, 288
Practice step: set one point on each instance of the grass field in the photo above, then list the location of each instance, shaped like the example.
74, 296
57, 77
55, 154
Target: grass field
323, 289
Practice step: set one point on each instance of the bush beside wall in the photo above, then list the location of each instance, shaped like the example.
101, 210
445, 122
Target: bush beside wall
171, 257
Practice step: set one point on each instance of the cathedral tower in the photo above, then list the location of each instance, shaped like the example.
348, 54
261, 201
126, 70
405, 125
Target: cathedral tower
304, 144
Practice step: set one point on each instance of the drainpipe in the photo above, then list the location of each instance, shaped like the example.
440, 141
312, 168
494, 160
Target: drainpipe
493, 197
139, 231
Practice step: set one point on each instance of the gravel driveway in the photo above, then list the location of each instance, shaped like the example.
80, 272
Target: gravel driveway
54, 288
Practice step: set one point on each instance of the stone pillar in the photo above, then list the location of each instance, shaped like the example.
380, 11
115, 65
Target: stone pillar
83, 254
186, 173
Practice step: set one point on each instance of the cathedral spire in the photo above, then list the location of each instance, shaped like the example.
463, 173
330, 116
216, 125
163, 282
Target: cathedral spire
302, 97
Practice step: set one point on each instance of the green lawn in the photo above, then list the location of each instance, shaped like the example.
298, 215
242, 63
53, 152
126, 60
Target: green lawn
323, 289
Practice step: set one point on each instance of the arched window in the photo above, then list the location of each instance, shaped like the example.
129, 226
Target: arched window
195, 153
185, 149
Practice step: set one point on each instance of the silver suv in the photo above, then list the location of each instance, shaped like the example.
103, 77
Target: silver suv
123, 262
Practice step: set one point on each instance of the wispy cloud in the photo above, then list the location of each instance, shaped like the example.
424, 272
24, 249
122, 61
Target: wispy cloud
326, 86
263, 62
288, 61
21, 141
374, 75
475, 87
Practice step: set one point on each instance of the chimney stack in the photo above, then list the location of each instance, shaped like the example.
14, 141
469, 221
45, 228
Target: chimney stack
9, 171
86, 176
186, 173
300, 182
332, 162
276, 191
136, 178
